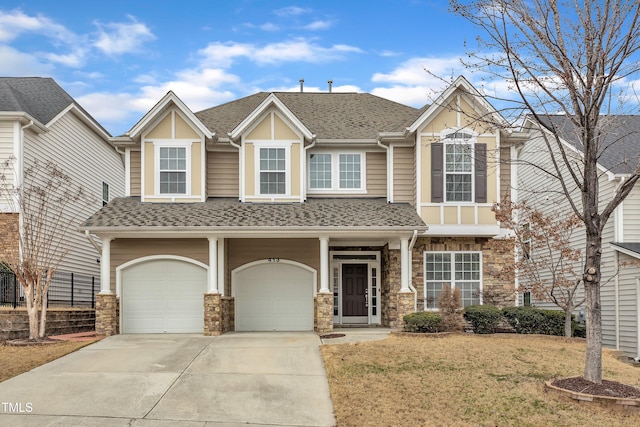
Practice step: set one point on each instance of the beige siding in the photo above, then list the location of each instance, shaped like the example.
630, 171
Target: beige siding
294, 174
505, 173
125, 250
162, 130
223, 174
403, 174
6, 148
376, 174
631, 214
182, 129
136, 170
88, 160
281, 131
196, 169
149, 175
243, 251
262, 131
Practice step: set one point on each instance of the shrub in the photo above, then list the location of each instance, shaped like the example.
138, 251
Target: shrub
423, 321
450, 306
531, 320
579, 331
483, 318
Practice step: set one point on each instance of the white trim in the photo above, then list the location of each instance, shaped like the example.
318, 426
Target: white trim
18, 153
221, 266
212, 274
266, 144
618, 223
418, 166
625, 251
390, 175
127, 172
120, 269
471, 143
324, 265
236, 270
187, 144
463, 230
84, 118
335, 173
105, 267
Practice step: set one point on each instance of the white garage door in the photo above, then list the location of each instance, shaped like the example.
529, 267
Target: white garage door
274, 297
163, 296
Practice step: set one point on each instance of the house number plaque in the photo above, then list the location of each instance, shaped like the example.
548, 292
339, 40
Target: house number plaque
273, 259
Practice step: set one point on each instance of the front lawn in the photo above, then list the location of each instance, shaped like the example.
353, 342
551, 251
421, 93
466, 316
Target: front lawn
464, 380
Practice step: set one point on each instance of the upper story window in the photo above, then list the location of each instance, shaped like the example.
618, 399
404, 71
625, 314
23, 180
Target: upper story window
105, 193
273, 171
336, 171
459, 167
173, 170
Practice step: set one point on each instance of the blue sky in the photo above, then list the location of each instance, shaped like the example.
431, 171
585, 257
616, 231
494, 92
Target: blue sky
118, 58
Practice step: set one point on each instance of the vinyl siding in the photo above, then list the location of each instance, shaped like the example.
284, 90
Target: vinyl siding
136, 171
403, 174
125, 250
627, 306
505, 172
6, 147
631, 214
376, 174
89, 160
223, 174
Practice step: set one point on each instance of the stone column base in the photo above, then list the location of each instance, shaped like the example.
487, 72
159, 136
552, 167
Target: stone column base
212, 314
405, 306
324, 313
106, 314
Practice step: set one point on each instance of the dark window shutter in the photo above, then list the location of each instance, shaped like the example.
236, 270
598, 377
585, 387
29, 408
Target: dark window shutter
437, 173
481, 173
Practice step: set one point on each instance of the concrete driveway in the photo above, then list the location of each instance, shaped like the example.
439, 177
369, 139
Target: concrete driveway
148, 380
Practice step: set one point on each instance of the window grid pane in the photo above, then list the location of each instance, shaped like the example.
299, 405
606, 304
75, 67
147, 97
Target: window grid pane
272, 171
320, 171
350, 171
461, 271
173, 170
458, 169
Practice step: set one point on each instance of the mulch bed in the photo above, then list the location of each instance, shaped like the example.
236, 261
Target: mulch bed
606, 389
324, 337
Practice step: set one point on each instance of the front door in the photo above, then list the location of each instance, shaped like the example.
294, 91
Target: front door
354, 293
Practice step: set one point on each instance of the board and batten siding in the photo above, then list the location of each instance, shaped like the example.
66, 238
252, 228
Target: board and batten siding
90, 161
376, 174
223, 174
135, 173
403, 175
125, 250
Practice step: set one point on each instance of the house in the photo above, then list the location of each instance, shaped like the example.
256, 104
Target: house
620, 270
301, 211
40, 121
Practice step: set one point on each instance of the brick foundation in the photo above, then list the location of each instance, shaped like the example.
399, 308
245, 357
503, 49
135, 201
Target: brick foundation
107, 315
324, 313
212, 314
405, 306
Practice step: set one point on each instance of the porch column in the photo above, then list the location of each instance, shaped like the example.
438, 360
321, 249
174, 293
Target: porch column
221, 266
404, 265
105, 267
213, 266
324, 265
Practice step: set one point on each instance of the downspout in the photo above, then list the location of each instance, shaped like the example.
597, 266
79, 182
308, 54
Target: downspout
616, 292
303, 184
241, 161
389, 177
93, 242
413, 289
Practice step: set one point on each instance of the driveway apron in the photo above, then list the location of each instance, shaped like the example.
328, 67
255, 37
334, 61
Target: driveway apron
272, 378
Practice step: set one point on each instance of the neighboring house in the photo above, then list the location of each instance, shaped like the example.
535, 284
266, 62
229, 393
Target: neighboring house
301, 211
39, 120
620, 292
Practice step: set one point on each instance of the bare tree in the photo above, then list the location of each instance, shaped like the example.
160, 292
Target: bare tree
48, 203
570, 58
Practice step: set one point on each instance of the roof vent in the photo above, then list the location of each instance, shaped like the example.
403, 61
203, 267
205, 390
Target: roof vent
330, 82
301, 85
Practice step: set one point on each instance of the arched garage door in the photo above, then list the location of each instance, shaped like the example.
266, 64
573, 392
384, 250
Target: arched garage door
163, 296
274, 296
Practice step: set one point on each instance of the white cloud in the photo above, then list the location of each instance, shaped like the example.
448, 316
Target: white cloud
15, 22
269, 27
291, 11
219, 54
117, 38
318, 25
15, 63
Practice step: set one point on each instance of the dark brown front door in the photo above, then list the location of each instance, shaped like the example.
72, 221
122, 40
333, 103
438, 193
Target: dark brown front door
354, 289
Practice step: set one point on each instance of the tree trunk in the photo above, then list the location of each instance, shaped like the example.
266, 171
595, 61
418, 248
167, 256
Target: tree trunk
593, 365
32, 312
45, 297
567, 320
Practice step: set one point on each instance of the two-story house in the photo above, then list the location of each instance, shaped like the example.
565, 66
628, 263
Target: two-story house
301, 211
620, 270
41, 122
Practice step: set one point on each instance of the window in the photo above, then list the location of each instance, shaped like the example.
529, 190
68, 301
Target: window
458, 169
105, 193
336, 171
526, 299
456, 269
273, 173
526, 241
173, 170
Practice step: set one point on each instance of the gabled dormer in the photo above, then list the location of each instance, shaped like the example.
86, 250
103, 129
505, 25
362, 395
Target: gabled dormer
165, 154
272, 148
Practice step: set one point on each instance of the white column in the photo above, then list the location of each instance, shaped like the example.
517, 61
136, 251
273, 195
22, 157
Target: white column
404, 265
324, 265
105, 267
213, 265
221, 265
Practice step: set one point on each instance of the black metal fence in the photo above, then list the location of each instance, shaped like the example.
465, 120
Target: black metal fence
66, 290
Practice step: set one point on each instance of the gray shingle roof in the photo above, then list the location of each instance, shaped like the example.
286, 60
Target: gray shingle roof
633, 247
620, 147
40, 97
327, 115
130, 214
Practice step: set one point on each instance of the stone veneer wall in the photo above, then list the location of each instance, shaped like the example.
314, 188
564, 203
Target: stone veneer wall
9, 235
496, 291
14, 323
228, 314
391, 271
323, 319
107, 315
212, 314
